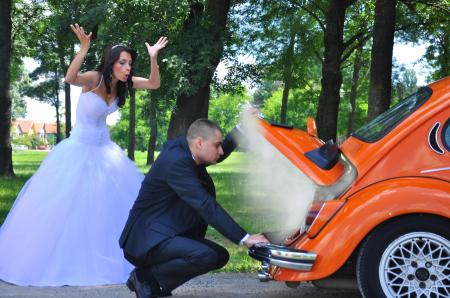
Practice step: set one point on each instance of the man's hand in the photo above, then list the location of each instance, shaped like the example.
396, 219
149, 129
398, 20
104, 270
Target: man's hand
255, 239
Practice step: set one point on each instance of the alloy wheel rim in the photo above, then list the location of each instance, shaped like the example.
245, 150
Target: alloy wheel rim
416, 265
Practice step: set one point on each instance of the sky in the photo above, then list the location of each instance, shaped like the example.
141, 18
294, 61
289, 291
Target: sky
406, 54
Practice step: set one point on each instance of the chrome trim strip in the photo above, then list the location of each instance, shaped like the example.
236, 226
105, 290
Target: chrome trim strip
283, 257
435, 170
301, 256
291, 265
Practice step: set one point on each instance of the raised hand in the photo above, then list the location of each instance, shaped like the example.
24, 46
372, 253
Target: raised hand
85, 39
154, 49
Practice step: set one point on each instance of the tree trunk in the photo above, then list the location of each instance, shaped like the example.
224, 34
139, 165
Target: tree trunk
444, 44
354, 90
64, 66
6, 165
153, 120
68, 111
132, 125
381, 62
57, 106
328, 108
58, 123
287, 76
190, 107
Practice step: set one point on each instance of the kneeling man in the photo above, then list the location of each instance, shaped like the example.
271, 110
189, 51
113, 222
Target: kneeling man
164, 236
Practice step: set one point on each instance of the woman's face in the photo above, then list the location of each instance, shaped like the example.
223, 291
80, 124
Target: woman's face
122, 67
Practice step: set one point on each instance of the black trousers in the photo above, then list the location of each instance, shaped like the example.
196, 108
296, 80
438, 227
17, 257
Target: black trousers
179, 259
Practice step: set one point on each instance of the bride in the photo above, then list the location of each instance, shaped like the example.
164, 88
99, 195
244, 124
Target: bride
64, 226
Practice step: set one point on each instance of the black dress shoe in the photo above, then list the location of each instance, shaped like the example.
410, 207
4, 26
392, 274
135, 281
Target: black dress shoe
141, 289
163, 293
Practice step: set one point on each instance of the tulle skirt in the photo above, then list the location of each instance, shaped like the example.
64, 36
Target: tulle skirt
64, 226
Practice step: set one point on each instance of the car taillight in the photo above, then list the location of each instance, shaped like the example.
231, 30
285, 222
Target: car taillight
319, 214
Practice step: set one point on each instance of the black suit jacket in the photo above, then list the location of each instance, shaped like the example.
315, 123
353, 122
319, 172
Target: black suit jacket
177, 197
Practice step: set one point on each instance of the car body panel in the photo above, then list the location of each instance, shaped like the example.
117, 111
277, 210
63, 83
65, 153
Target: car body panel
391, 156
399, 174
294, 143
362, 213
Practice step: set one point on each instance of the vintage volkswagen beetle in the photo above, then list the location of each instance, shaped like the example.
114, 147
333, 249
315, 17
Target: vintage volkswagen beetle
381, 211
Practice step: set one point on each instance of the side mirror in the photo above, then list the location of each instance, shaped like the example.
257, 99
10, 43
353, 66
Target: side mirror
311, 127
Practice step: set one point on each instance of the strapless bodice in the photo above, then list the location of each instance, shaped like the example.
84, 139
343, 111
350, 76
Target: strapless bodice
90, 126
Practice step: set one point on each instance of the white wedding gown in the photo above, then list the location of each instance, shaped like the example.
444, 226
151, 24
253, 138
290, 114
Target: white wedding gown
64, 226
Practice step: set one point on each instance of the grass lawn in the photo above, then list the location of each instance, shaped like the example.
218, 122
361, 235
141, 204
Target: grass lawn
229, 177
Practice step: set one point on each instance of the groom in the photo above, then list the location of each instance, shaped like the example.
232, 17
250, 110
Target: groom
164, 236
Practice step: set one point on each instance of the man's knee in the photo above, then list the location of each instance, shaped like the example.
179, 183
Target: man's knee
222, 258
210, 260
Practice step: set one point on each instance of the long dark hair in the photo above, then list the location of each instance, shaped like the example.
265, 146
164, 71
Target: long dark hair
110, 56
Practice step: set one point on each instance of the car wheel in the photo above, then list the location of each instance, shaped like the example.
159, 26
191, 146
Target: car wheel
407, 257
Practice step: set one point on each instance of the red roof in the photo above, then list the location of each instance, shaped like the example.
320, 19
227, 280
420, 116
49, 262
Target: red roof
38, 126
50, 128
24, 125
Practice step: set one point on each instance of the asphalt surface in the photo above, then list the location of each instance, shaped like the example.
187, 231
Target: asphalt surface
209, 285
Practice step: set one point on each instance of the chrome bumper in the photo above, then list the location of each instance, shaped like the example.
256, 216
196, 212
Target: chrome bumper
282, 256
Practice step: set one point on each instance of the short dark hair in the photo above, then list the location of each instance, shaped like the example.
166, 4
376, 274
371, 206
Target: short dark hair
202, 128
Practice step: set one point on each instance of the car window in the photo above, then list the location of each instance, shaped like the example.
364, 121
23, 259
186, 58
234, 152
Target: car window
446, 135
384, 123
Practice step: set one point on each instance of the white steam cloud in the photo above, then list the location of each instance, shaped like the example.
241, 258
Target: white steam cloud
277, 189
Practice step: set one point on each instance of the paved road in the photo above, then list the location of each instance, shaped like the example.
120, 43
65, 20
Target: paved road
209, 285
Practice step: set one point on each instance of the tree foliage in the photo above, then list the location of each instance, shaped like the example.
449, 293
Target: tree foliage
225, 109
277, 48
20, 81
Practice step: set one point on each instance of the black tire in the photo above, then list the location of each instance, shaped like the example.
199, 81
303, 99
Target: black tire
387, 250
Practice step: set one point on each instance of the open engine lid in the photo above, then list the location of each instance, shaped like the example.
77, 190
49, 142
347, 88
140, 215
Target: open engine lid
316, 159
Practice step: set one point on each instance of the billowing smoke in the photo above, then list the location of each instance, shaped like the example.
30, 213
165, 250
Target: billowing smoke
278, 191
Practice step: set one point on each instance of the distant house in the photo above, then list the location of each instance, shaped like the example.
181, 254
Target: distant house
22, 127
43, 131
50, 131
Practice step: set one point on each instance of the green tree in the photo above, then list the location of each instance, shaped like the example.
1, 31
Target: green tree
329, 99
284, 41
404, 82
120, 131
411, 20
300, 105
353, 105
47, 90
225, 109
26, 16
19, 82
323, 22
264, 91
438, 52
47, 77
87, 13
143, 21
381, 62
199, 47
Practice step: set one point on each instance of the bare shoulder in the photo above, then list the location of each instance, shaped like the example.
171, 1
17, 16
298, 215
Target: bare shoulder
90, 80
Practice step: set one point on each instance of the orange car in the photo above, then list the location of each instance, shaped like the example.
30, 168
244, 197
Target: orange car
380, 219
